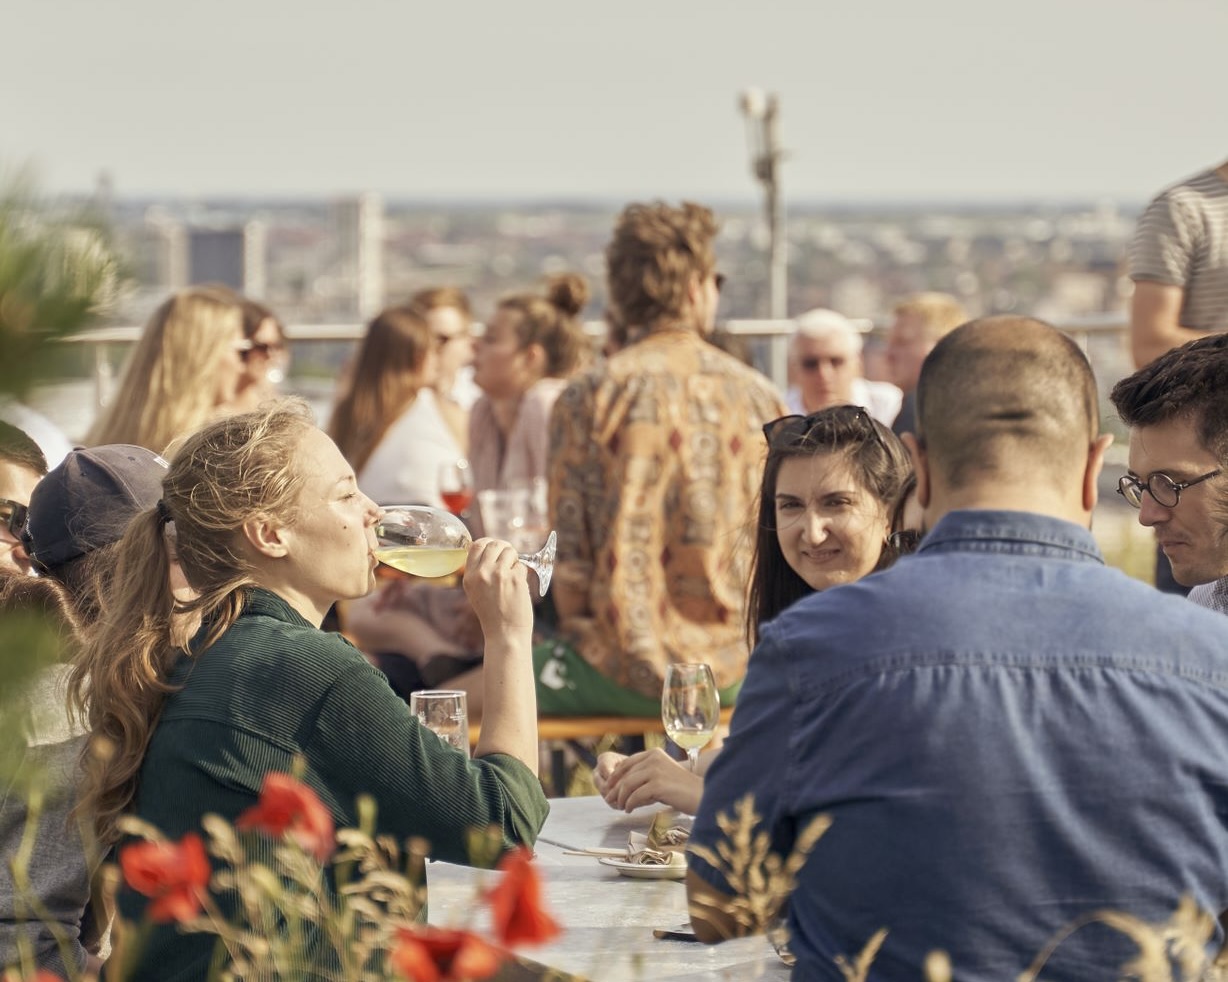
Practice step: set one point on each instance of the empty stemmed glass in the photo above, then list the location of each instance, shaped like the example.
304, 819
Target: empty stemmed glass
428, 541
690, 707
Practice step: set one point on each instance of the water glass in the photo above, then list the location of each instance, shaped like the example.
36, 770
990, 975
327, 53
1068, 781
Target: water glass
505, 513
445, 713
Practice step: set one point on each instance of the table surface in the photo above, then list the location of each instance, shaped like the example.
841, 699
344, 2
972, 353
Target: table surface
607, 919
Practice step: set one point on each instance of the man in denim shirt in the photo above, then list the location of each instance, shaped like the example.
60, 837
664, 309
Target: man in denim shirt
1007, 735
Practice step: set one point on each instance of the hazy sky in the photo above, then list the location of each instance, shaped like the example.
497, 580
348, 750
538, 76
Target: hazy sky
881, 99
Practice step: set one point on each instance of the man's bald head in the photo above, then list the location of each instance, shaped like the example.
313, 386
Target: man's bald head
1007, 399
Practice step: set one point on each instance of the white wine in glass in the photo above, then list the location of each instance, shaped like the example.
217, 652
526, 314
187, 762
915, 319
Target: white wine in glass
690, 707
431, 542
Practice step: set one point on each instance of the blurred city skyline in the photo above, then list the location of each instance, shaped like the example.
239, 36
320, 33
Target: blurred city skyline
883, 101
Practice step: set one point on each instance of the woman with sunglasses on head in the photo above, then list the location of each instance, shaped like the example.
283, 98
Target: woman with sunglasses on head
184, 371
388, 424
830, 482
271, 530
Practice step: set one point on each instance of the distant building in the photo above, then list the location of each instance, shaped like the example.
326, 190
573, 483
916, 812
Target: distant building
360, 253
215, 255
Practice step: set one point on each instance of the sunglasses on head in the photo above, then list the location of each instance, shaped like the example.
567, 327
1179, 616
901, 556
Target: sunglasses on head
820, 427
13, 514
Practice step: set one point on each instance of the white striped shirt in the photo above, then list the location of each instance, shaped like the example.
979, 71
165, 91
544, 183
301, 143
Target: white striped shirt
1213, 595
1182, 240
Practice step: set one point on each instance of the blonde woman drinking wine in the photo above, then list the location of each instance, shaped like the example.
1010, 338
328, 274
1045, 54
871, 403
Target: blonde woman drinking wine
271, 530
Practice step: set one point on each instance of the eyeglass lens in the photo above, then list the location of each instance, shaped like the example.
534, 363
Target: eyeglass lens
1162, 488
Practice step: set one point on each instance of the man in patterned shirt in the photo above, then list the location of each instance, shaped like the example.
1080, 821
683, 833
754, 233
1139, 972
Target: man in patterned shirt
655, 465
1177, 411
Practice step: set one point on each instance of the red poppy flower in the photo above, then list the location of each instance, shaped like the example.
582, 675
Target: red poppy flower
173, 874
431, 954
289, 807
516, 903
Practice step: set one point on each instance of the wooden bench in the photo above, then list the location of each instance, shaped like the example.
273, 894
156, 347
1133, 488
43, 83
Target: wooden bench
569, 731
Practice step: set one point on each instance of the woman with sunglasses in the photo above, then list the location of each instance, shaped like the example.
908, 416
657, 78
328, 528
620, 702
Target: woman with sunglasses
266, 357
830, 483
183, 372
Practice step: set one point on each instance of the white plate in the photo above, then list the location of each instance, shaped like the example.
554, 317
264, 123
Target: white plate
639, 872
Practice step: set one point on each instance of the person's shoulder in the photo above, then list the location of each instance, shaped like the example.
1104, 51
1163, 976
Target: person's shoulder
823, 619
1186, 195
267, 638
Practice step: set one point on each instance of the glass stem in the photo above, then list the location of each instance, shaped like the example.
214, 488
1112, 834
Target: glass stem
692, 757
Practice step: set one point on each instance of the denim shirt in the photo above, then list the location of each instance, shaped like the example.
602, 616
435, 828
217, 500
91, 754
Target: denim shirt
1007, 735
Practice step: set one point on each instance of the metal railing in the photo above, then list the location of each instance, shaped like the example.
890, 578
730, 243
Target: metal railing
1101, 336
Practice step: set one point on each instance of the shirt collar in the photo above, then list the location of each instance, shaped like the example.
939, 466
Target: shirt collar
964, 528
262, 601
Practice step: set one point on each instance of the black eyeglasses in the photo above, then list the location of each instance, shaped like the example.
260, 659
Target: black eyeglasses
1161, 487
13, 514
820, 427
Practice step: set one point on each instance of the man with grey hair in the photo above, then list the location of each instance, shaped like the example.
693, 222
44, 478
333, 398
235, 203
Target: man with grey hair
825, 369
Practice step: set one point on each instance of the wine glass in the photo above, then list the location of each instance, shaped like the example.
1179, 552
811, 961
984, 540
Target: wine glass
456, 485
428, 541
690, 707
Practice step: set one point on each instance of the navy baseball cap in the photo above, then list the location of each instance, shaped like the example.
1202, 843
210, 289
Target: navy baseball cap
87, 501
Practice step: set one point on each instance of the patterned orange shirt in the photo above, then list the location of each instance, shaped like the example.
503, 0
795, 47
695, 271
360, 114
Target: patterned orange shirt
655, 465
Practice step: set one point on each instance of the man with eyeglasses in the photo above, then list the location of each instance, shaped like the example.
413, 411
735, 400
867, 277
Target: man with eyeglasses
1009, 737
22, 465
826, 369
1177, 411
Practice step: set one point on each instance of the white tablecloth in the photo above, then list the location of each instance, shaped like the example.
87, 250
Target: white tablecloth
607, 918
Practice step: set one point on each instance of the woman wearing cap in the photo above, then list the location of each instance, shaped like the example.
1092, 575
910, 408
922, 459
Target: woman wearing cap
81, 509
271, 531
184, 371
830, 483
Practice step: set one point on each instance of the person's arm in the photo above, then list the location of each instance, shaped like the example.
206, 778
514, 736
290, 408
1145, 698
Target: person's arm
711, 911
753, 761
364, 740
1155, 321
497, 586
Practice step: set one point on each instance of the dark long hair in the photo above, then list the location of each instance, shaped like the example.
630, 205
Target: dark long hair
388, 374
878, 461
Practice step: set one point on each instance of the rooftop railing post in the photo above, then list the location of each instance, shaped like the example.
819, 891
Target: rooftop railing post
762, 112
